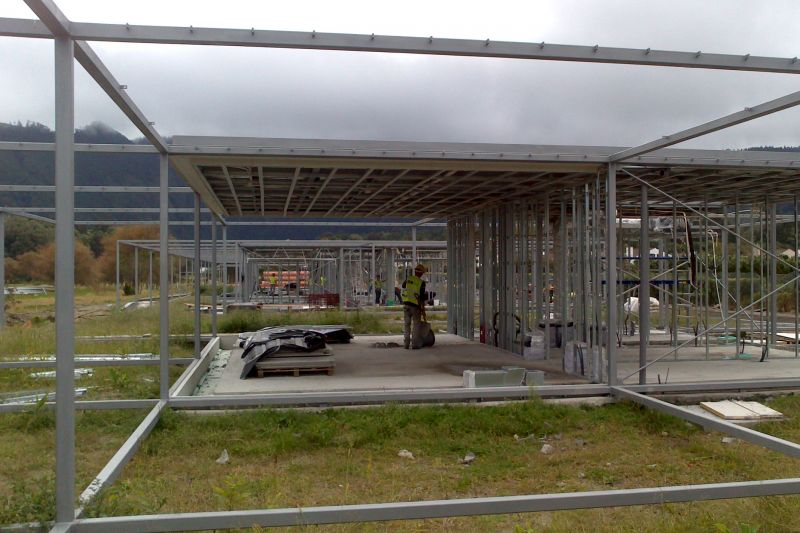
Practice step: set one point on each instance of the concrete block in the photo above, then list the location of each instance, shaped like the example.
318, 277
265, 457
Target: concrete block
515, 375
534, 378
484, 378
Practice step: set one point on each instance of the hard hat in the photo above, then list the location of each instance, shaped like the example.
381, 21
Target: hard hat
420, 268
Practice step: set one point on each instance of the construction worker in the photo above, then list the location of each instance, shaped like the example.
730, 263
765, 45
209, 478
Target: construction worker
414, 296
378, 290
273, 284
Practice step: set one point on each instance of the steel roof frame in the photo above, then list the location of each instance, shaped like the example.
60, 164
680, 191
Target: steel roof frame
69, 40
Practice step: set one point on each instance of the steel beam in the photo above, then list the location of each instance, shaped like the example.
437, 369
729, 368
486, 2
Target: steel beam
382, 396
749, 113
92, 189
289, 195
379, 190
51, 16
97, 70
303, 517
14, 210
122, 457
59, 25
710, 422
313, 201
232, 188
91, 405
88, 31
17, 146
82, 362
261, 187
353, 187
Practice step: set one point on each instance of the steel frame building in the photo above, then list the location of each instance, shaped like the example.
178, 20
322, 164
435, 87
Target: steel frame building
555, 196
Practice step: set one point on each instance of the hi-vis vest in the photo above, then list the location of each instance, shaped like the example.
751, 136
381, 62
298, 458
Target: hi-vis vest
411, 292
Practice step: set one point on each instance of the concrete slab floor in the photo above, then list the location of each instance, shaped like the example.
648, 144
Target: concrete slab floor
360, 366
692, 366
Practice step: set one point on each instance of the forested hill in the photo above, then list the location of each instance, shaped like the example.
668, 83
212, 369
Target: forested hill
36, 168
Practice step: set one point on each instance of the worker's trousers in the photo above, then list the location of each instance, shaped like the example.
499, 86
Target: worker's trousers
412, 326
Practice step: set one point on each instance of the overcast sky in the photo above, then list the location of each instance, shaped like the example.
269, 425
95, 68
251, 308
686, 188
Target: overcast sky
194, 90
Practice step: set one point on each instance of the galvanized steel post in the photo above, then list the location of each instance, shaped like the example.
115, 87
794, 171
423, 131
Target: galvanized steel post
65, 277
163, 278
611, 257
2, 271
196, 284
213, 276
644, 286
224, 269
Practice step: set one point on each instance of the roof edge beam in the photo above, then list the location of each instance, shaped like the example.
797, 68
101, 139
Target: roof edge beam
747, 114
90, 31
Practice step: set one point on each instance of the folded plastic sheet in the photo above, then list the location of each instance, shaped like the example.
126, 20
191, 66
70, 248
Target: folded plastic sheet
332, 334
274, 342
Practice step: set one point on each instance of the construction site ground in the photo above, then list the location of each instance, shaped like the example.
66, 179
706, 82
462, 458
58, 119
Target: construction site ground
360, 365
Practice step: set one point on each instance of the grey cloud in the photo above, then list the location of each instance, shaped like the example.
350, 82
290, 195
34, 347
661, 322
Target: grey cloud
290, 93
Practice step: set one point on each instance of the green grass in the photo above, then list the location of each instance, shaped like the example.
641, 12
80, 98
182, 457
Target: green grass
284, 458
356, 321
27, 486
292, 458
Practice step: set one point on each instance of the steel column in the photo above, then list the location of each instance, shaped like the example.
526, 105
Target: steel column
150, 278
563, 273
644, 286
414, 245
65, 277
224, 269
163, 278
196, 280
773, 274
2, 270
340, 279
136, 270
611, 258
119, 303
213, 276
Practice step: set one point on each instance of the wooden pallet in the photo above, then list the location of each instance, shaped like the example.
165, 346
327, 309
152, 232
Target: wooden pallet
296, 365
263, 372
